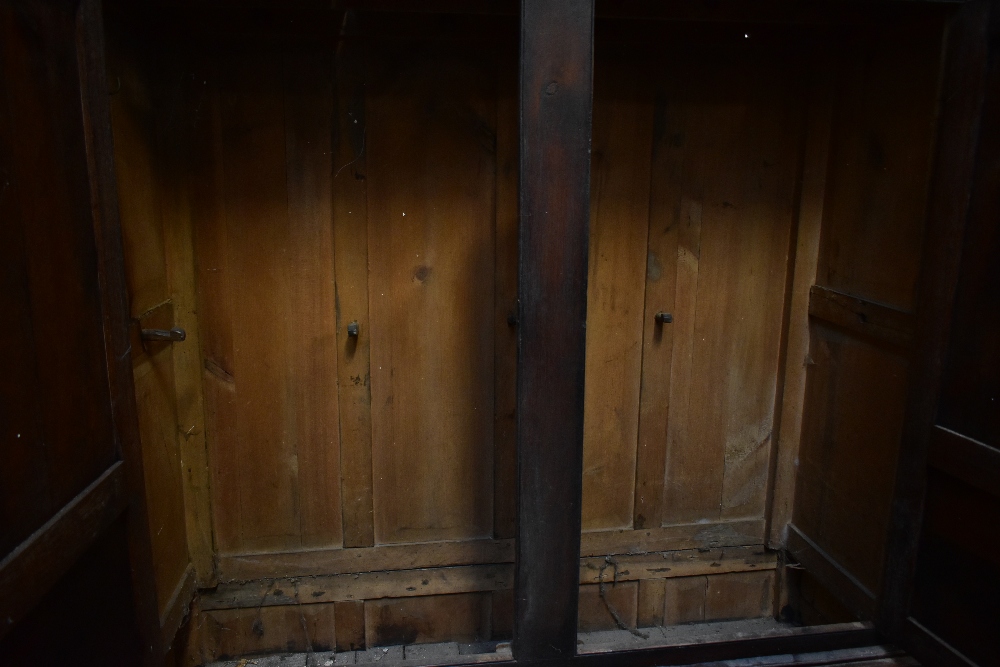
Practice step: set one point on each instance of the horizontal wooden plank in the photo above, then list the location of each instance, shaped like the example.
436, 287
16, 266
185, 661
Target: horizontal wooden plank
688, 563
30, 570
247, 567
692, 647
674, 538
969, 460
841, 583
361, 585
868, 318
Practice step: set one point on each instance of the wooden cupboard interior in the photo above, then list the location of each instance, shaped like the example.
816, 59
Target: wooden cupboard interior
326, 202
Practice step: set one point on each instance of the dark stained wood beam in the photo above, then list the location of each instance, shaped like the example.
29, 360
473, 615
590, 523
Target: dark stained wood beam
557, 46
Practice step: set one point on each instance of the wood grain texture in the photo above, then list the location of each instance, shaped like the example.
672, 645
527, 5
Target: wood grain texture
739, 595
676, 564
361, 586
850, 439
736, 208
862, 317
879, 164
265, 227
505, 299
650, 603
257, 223
556, 94
619, 210
594, 611
154, 393
138, 168
350, 230
245, 567
176, 201
671, 538
661, 295
231, 633
431, 158
310, 299
684, 600
807, 239
350, 624
462, 618
205, 186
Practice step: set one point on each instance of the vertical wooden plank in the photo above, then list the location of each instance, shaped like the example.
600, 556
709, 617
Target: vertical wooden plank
230, 633
505, 319
747, 355
880, 160
431, 142
556, 108
257, 226
651, 602
205, 185
661, 293
350, 231
742, 152
684, 600
310, 321
461, 617
595, 612
619, 211
739, 595
187, 359
139, 165
810, 220
350, 622
502, 615
154, 380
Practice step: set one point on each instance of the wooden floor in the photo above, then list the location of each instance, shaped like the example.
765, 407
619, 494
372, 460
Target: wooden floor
451, 653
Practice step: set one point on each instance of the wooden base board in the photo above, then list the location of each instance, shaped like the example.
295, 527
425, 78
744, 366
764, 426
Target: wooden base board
472, 603
595, 644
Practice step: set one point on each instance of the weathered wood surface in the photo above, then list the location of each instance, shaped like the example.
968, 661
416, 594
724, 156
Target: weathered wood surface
815, 162
430, 138
139, 159
882, 142
556, 99
262, 228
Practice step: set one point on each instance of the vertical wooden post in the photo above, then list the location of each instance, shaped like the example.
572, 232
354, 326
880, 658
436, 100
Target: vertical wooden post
557, 47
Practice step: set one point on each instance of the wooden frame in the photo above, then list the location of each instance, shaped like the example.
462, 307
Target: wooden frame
557, 43
554, 171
